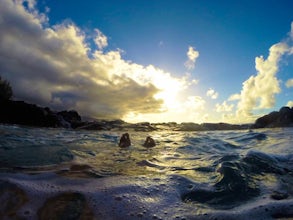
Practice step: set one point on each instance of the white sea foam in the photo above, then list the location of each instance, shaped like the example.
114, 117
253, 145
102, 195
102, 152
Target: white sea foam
188, 175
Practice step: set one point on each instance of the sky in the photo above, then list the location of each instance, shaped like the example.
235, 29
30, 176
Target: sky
150, 60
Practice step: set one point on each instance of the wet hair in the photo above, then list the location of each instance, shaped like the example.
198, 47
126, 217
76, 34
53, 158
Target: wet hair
149, 142
124, 141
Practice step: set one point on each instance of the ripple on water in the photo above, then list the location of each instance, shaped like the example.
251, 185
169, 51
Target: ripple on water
197, 173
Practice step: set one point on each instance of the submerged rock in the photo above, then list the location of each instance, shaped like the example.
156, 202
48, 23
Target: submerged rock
276, 195
12, 198
66, 206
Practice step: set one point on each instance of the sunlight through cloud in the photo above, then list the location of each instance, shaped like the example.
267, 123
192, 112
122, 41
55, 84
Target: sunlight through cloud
68, 74
63, 67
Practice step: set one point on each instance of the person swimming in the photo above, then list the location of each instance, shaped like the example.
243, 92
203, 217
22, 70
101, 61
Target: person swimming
149, 142
124, 141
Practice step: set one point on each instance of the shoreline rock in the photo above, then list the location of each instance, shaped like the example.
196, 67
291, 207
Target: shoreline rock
281, 118
22, 113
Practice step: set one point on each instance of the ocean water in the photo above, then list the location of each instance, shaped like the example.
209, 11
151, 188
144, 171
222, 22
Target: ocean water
77, 174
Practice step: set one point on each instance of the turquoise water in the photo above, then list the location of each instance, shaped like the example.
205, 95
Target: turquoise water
245, 174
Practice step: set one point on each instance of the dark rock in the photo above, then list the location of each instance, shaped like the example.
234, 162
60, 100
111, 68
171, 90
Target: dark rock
224, 126
102, 125
282, 118
279, 195
19, 112
189, 127
265, 120
143, 126
166, 126
92, 126
72, 117
69, 205
12, 198
210, 127
117, 125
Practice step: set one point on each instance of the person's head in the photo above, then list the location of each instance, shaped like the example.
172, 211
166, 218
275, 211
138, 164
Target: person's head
125, 140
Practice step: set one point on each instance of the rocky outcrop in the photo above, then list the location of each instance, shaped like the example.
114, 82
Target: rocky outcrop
210, 127
72, 117
105, 125
281, 118
117, 125
19, 112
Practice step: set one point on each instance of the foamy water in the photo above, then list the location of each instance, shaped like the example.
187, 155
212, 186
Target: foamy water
71, 174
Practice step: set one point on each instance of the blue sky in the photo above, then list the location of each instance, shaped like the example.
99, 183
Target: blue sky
155, 61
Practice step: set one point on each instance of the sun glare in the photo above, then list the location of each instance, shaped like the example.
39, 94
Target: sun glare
169, 86
169, 92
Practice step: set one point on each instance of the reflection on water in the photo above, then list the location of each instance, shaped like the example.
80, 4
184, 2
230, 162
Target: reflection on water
211, 171
197, 155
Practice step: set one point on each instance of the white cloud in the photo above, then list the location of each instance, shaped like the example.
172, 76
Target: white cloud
195, 103
212, 93
259, 91
50, 66
289, 83
192, 56
234, 97
224, 107
101, 40
189, 80
289, 104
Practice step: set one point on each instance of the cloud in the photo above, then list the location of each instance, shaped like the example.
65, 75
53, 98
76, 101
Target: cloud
212, 93
101, 40
234, 97
289, 83
192, 56
54, 66
190, 109
194, 103
224, 107
258, 92
289, 104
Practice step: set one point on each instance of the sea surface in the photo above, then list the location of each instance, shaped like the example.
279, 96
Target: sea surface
77, 174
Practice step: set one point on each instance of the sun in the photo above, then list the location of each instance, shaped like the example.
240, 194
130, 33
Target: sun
171, 90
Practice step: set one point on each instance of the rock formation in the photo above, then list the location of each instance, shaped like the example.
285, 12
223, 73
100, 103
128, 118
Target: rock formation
19, 112
282, 118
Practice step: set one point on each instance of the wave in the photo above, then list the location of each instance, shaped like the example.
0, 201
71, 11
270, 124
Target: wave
192, 175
